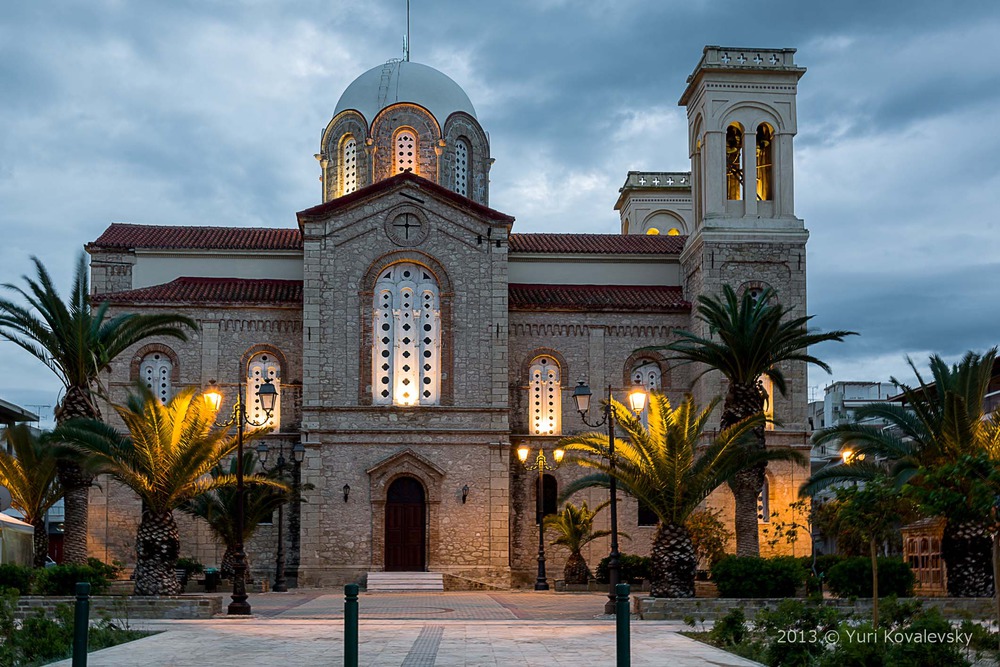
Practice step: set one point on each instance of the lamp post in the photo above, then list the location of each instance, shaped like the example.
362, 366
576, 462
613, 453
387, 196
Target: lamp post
637, 402
298, 455
267, 395
541, 465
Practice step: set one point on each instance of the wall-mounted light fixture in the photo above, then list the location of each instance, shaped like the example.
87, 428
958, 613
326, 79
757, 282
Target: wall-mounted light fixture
347, 491
465, 493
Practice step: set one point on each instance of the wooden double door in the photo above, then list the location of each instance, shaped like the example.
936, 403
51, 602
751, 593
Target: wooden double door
405, 526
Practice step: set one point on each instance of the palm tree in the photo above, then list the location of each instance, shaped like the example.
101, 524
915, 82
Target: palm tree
76, 342
30, 477
574, 528
218, 507
942, 422
751, 338
666, 467
166, 458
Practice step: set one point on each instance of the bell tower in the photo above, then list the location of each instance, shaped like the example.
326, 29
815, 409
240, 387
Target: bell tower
741, 124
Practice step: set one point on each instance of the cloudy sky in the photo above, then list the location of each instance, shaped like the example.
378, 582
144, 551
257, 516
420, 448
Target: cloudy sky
209, 113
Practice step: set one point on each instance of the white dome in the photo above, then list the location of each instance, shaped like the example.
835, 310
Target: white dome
403, 81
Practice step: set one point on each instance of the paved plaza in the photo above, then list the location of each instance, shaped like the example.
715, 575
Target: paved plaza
413, 630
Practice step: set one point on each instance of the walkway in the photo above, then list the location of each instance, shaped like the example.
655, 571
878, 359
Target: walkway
413, 630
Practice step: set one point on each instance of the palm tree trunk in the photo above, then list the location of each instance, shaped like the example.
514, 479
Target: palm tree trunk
227, 567
41, 542
967, 551
673, 563
76, 403
744, 401
576, 570
157, 547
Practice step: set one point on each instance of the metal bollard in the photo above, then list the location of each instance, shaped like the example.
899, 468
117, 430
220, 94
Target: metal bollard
81, 624
623, 639
351, 625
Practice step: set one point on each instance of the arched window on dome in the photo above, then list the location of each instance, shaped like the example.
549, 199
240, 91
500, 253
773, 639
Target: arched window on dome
348, 165
154, 372
406, 363
462, 153
263, 366
765, 162
544, 397
734, 162
406, 150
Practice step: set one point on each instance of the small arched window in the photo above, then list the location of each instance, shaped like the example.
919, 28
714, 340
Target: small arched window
348, 165
406, 350
647, 373
765, 162
734, 162
767, 386
673, 231
545, 394
653, 231
462, 153
764, 503
406, 151
263, 366
154, 372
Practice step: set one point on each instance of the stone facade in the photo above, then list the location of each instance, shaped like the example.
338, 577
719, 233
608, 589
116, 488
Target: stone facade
589, 306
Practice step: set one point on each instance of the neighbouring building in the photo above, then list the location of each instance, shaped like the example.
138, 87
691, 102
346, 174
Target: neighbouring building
417, 340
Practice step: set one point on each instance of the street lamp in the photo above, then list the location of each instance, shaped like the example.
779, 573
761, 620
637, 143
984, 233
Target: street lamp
637, 403
267, 394
541, 465
298, 455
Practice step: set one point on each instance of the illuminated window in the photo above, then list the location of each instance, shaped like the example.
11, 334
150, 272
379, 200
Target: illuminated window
764, 504
653, 231
765, 162
406, 151
545, 397
407, 342
263, 366
673, 231
154, 372
349, 166
648, 374
734, 162
462, 167
768, 388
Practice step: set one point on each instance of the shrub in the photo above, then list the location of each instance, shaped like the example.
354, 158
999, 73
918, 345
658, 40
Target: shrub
789, 633
852, 577
16, 577
739, 577
190, 565
109, 572
631, 569
62, 580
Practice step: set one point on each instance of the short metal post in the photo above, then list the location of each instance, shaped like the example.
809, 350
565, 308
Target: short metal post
81, 624
623, 639
351, 625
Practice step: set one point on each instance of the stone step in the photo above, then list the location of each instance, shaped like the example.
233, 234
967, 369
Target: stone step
392, 582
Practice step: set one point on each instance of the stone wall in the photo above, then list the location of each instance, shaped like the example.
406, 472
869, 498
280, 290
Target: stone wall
127, 607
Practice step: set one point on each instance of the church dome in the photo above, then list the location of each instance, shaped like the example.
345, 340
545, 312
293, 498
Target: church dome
404, 81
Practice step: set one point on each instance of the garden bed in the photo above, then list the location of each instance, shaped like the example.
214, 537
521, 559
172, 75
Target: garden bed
712, 609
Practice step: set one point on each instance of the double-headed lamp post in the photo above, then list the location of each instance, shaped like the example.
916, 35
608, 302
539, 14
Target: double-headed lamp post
541, 465
637, 402
267, 394
298, 455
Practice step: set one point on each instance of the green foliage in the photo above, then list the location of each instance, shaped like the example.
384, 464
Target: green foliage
852, 577
16, 577
790, 634
574, 526
709, 536
62, 579
789, 531
631, 569
190, 565
731, 629
738, 577
962, 490
109, 572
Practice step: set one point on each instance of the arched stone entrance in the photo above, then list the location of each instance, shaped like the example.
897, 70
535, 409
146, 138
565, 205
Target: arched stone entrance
405, 526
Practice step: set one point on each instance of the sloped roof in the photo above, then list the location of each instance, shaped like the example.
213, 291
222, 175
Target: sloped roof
611, 244
600, 298
212, 290
124, 236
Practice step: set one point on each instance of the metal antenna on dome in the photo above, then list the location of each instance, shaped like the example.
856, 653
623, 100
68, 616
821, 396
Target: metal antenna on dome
406, 39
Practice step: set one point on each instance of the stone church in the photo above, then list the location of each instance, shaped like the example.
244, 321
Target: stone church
417, 339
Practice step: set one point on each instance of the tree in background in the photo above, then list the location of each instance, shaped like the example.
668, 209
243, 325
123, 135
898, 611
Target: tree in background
29, 474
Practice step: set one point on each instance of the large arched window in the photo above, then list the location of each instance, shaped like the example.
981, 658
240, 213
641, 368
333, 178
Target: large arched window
462, 153
647, 373
734, 162
406, 361
545, 394
348, 165
154, 372
263, 366
765, 162
405, 145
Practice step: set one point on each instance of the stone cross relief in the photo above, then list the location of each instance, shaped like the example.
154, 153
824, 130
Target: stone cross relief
409, 221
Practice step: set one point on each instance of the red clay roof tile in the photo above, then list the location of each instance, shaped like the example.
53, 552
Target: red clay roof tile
612, 244
211, 290
176, 237
600, 298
